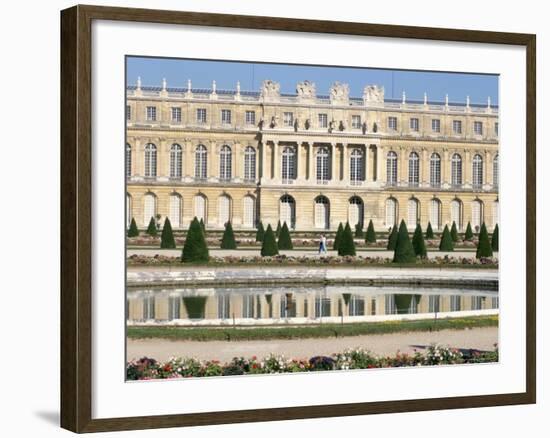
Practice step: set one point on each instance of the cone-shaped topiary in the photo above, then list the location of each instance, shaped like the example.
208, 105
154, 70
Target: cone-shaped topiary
371, 235
228, 238
392, 239
133, 230
194, 248
338, 237
167, 236
468, 235
429, 231
278, 229
446, 242
418, 243
284, 241
269, 244
454, 232
494, 239
404, 252
152, 228
359, 230
203, 227
484, 245
260, 232
346, 246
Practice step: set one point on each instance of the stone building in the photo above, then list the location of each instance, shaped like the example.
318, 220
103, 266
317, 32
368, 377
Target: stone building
308, 159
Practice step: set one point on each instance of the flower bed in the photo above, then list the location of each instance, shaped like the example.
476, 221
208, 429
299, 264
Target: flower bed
148, 369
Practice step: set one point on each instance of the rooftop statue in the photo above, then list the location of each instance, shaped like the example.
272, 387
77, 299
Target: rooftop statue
373, 94
306, 90
339, 93
271, 90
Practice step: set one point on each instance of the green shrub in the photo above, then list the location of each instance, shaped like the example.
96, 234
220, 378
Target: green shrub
269, 244
392, 239
484, 245
338, 237
454, 232
418, 243
446, 242
359, 230
346, 246
194, 248
167, 236
260, 232
195, 307
284, 241
371, 235
278, 229
203, 227
429, 231
133, 230
228, 238
403, 302
468, 235
152, 228
494, 239
404, 252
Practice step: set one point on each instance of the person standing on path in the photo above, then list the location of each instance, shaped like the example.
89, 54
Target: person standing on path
323, 244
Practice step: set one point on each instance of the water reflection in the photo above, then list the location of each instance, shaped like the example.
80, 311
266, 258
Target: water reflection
272, 305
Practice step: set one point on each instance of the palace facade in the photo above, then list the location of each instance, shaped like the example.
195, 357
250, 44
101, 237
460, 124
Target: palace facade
310, 160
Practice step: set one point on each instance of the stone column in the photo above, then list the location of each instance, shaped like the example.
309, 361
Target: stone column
265, 161
189, 159
334, 162
137, 158
424, 168
402, 167
381, 162
302, 161
212, 161
276, 162
467, 168
163, 159
345, 163
446, 168
236, 156
310, 172
488, 169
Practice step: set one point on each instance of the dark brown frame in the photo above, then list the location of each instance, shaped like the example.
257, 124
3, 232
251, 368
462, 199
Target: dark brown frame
76, 188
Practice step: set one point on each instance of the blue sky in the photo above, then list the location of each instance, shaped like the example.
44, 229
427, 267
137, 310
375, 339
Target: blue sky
226, 74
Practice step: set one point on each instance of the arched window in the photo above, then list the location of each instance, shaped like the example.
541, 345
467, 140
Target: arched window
249, 211
456, 213
323, 172
250, 163
477, 171
356, 167
477, 214
435, 213
287, 210
289, 164
200, 207
456, 170
435, 170
391, 168
175, 161
322, 212
224, 209
225, 163
391, 212
128, 210
355, 211
412, 213
149, 208
414, 169
495, 171
200, 162
150, 160
128, 160
175, 210
495, 213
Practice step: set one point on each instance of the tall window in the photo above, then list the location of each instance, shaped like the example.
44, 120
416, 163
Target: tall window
355, 211
392, 123
478, 128
151, 113
175, 161
200, 207
414, 169
456, 170
149, 307
412, 216
226, 117
250, 117
323, 174
323, 121
225, 163
495, 213
356, 122
149, 208
414, 124
289, 164
435, 213
321, 212
249, 211
436, 125
391, 168
128, 160
477, 214
391, 212
224, 209
477, 171
249, 163
457, 126
287, 211
128, 112
176, 114
150, 160
175, 210
174, 307
200, 161
201, 115
356, 167
456, 213
224, 310
288, 119
495, 171
435, 170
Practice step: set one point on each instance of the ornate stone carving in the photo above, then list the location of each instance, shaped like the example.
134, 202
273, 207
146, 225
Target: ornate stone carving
305, 90
339, 93
373, 94
271, 91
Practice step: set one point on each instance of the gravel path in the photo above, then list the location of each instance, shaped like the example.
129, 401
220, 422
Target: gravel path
387, 344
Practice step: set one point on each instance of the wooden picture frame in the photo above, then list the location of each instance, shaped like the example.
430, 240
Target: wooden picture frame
76, 217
